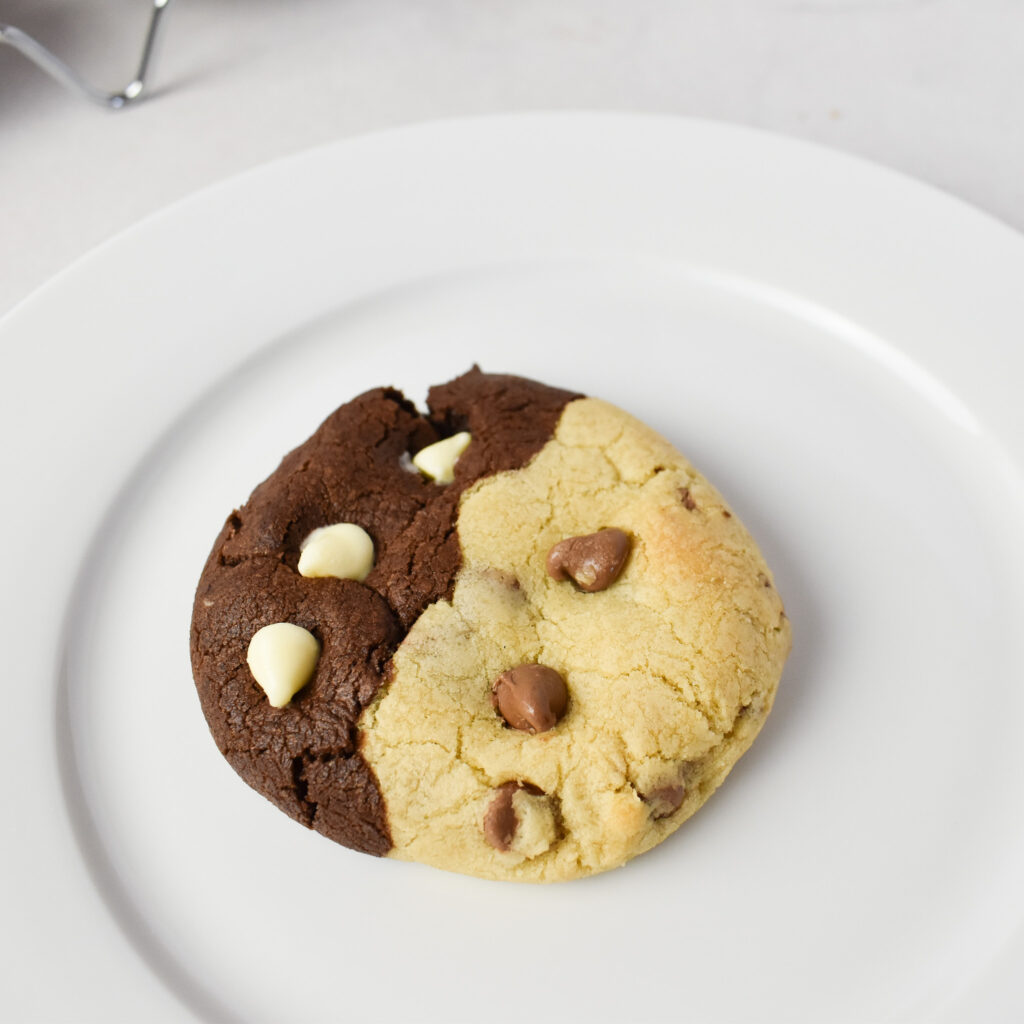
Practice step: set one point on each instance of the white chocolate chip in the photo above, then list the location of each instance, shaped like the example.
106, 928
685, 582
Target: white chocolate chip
282, 658
535, 824
438, 460
343, 550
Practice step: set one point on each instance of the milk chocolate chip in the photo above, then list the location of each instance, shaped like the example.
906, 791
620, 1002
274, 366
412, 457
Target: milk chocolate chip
666, 800
593, 562
687, 499
531, 698
500, 820
520, 820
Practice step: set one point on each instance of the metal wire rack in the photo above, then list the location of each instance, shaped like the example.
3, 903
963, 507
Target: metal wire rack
68, 77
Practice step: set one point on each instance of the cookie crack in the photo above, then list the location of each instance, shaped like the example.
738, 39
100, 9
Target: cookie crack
300, 787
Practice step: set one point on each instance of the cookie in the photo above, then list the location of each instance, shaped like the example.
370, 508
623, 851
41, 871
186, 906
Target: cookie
518, 637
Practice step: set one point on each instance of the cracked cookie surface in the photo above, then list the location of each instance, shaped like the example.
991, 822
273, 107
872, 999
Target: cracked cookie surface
395, 746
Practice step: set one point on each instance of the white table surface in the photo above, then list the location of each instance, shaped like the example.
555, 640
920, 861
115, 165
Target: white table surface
934, 88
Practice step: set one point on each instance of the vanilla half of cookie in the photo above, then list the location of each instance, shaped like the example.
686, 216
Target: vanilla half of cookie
671, 669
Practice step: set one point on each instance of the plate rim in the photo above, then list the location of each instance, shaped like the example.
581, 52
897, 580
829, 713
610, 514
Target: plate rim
406, 128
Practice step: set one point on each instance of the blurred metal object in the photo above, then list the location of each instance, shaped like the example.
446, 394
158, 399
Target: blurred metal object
56, 68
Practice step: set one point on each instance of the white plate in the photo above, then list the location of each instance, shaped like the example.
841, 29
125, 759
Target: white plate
836, 347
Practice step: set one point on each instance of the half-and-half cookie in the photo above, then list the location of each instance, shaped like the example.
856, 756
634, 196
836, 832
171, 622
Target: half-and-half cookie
518, 636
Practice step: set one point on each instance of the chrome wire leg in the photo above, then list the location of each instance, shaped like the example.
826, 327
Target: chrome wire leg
56, 68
